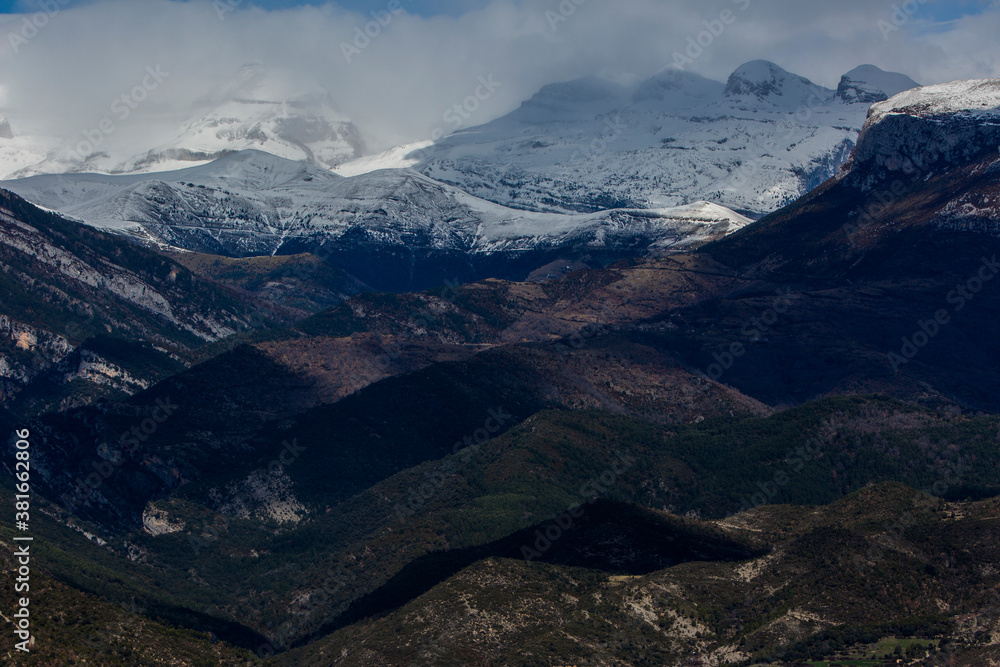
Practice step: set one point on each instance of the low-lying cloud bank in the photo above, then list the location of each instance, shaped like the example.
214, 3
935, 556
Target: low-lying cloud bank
396, 73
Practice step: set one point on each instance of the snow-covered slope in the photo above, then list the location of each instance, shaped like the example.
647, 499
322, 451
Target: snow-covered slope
752, 145
400, 157
977, 97
255, 203
676, 89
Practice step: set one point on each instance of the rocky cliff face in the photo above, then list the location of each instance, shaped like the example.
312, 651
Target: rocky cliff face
63, 284
924, 131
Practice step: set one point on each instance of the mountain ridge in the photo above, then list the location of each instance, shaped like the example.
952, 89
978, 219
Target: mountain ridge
253, 203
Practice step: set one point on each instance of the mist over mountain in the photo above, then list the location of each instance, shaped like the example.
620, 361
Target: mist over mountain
418, 66
753, 146
589, 170
282, 113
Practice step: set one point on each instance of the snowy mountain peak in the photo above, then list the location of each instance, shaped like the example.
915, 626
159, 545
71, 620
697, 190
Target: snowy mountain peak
868, 84
5, 130
261, 109
255, 170
768, 82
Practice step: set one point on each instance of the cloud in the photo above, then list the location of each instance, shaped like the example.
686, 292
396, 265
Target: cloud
399, 80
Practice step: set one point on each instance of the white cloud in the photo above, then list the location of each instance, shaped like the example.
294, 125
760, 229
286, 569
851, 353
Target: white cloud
66, 77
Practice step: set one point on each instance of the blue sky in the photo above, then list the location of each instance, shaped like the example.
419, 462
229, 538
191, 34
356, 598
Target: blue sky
422, 7
949, 10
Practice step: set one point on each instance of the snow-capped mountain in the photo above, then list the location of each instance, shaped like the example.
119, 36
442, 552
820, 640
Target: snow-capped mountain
586, 167
752, 144
763, 82
253, 203
258, 109
950, 129
868, 84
